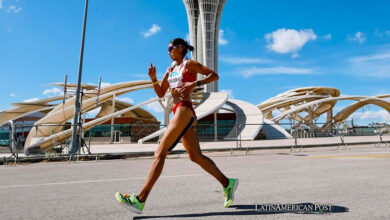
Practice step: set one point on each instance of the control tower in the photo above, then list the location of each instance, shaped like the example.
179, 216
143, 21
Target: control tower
204, 18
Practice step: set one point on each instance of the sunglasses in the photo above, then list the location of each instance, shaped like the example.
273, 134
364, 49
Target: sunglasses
170, 48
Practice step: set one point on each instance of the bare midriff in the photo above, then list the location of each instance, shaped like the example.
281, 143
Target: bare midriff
176, 96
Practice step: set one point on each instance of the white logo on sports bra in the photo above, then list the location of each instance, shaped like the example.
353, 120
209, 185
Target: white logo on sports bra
175, 78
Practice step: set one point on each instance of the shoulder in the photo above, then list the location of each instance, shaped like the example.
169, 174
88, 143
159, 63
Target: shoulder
191, 66
192, 63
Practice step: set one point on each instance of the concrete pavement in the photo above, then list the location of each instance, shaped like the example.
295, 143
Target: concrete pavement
354, 182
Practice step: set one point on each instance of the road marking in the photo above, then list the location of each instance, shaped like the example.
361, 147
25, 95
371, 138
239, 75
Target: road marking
98, 181
366, 156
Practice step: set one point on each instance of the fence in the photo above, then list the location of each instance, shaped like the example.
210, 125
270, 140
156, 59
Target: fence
124, 138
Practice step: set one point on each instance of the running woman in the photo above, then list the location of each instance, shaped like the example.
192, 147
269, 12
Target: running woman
181, 78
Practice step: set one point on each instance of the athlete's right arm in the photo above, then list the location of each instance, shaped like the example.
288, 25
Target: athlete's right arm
162, 88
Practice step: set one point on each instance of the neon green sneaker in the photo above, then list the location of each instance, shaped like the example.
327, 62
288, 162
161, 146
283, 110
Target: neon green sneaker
229, 191
130, 202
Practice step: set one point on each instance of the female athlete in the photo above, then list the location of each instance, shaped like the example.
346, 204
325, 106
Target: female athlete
181, 78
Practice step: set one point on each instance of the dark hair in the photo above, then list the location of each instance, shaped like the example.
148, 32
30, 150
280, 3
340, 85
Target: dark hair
185, 44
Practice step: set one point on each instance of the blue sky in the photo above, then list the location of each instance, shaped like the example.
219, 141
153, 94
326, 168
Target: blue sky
341, 44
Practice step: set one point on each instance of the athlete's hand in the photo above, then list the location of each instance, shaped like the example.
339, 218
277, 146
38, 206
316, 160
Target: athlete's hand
152, 72
187, 89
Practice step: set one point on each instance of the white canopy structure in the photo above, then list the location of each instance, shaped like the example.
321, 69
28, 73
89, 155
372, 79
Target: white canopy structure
303, 105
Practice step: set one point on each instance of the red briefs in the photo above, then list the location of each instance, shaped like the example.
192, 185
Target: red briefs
184, 103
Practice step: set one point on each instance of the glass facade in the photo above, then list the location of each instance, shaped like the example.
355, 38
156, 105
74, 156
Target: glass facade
136, 131
4, 137
205, 128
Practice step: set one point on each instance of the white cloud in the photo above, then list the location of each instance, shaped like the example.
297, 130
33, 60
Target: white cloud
221, 39
371, 69
359, 37
155, 106
14, 9
12, 95
248, 72
104, 84
327, 37
126, 99
294, 55
371, 57
153, 30
31, 100
373, 65
53, 91
289, 40
1, 4
243, 60
385, 33
229, 92
379, 116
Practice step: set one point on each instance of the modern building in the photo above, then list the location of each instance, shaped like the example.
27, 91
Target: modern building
204, 18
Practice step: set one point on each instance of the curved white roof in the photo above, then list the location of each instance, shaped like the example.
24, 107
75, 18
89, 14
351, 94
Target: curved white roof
249, 120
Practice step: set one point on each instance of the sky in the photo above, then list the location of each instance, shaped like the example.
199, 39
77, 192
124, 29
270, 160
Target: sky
266, 47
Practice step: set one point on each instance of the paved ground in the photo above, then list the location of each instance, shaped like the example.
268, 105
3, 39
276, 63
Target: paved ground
355, 182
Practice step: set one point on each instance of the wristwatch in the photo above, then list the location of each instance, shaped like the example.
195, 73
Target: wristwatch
198, 83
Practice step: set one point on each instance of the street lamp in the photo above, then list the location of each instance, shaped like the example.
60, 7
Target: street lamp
75, 144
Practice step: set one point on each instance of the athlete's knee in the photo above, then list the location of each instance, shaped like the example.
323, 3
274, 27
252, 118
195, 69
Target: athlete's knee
196, 158
160, 155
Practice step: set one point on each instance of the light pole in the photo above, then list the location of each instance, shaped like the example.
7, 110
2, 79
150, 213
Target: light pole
75, 144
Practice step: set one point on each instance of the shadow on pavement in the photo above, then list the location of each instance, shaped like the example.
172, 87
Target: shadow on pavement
262, 209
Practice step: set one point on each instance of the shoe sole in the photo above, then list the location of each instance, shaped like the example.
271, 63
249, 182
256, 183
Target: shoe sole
234, 189
129, 207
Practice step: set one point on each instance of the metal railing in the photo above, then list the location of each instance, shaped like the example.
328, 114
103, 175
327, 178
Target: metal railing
125, 137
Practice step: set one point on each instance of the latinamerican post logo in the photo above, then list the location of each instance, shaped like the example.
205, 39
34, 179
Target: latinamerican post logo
294, 208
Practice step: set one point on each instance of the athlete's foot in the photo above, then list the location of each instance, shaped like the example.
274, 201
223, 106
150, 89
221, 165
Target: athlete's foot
130, 202
229, 191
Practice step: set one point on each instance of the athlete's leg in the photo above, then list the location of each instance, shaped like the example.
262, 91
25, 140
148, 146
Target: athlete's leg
174, 129
191, 144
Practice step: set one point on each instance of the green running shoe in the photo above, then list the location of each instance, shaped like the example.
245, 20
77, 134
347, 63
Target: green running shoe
229, 191
130, 202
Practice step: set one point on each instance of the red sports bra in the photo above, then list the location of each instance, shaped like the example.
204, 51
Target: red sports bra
176, 79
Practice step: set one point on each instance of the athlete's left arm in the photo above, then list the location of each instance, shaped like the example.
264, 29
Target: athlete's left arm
195, 67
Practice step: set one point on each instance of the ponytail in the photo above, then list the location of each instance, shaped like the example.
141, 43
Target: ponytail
185, 44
